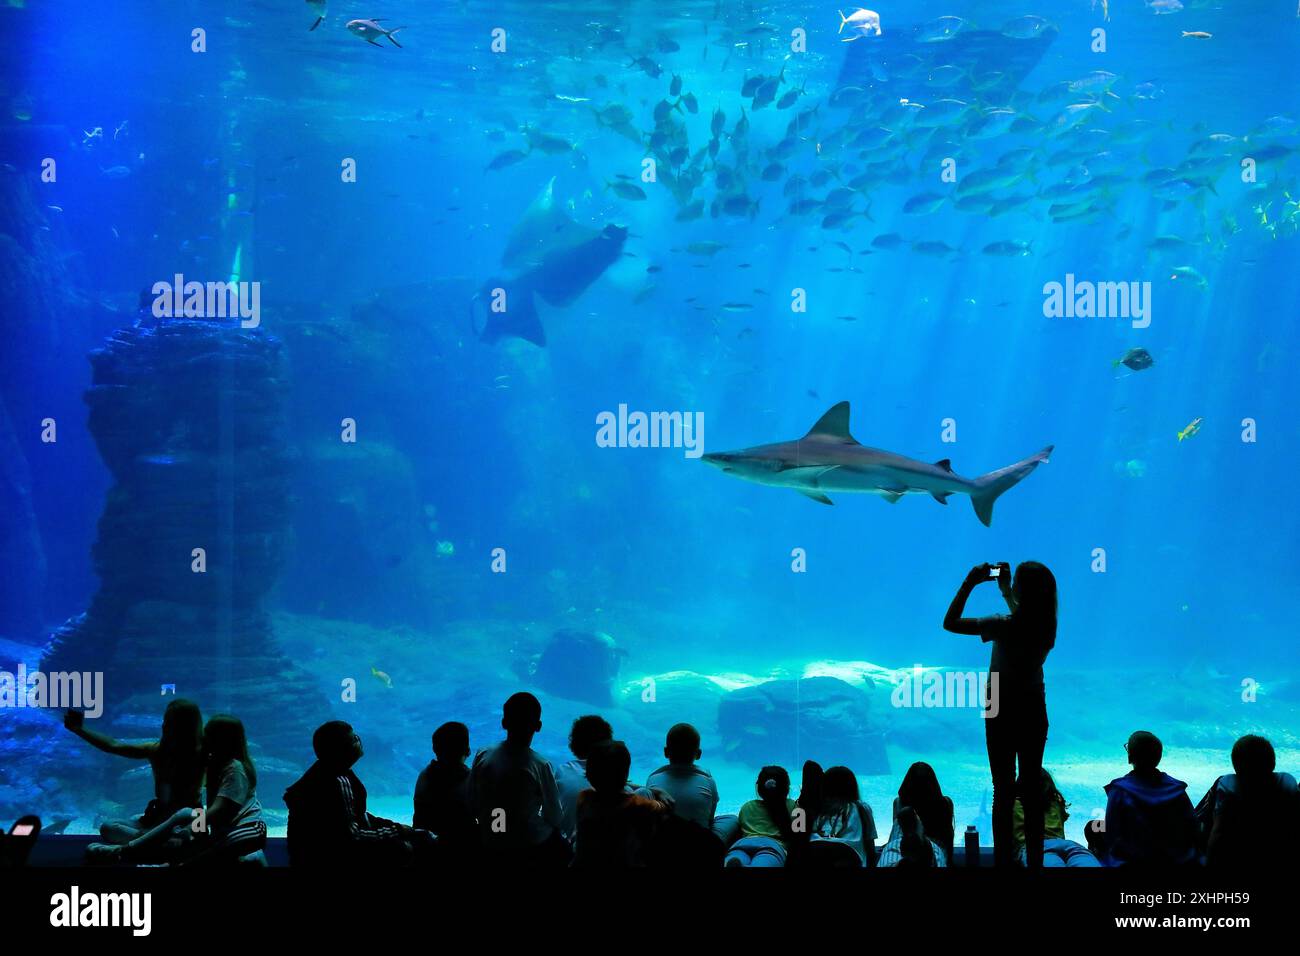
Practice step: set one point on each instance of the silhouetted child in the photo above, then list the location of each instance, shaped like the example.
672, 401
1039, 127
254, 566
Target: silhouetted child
571, 777
176, 760
693, 791
442, 793
1253, 814
765, 824
920, 790
616, 829
514, 796
908, 846
1057, 850
844, 818
1149, 819
231, 825
329, 824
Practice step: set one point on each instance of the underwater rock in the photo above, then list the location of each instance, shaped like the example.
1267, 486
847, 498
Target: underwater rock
578, 665
22, 557
786, 722
188, 416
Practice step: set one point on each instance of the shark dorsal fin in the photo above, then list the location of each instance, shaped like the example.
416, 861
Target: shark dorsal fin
834, 424
944, 463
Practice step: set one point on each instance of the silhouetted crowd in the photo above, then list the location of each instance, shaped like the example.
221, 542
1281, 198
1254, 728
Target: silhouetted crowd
510, 807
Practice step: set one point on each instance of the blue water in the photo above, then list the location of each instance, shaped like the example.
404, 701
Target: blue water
493, 446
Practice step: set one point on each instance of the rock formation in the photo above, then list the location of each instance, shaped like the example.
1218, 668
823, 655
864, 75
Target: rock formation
188, 417
789, 721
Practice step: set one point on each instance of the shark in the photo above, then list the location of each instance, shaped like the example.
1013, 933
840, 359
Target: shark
828, 459
557, 261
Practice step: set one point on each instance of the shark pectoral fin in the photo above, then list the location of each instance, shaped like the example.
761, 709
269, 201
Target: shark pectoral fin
816, 496
892, 494
941, 496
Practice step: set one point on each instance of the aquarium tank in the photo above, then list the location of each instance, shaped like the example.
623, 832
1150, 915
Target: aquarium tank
376, 360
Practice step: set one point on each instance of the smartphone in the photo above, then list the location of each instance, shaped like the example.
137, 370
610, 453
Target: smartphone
22, 829
995, 571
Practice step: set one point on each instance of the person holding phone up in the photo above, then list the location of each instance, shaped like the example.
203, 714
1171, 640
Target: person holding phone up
1015, 728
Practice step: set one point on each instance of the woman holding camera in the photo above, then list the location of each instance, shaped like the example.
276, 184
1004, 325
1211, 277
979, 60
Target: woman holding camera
1015, 727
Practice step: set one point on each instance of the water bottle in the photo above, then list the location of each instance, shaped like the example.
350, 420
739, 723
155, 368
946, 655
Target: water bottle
972, 846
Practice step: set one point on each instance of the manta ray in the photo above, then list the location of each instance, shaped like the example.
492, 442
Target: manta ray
556, 260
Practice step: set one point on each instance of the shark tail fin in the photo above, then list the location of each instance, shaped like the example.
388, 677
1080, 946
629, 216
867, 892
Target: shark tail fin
315, 25
519, 320
989, 487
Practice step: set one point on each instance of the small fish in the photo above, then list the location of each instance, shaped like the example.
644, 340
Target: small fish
933, 247
675, 87
737, 306
381, 676
648, 66
318, 8
370, 31
1011, 247
116, 172
718, 123
740, 205
923, 204
790, 97
508, 158
1193, 427
691, 103
546, 143
1136, 359
706, 247
1187, 272
1025, 28
691, 211
629, 191
861, 23
663, 109
1198, 34
943, 28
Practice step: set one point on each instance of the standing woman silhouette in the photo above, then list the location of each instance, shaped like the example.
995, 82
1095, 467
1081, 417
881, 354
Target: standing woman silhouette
1017, 731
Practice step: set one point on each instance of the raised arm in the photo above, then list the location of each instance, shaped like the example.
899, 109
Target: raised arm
74, 720
1004, 585
954, 620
